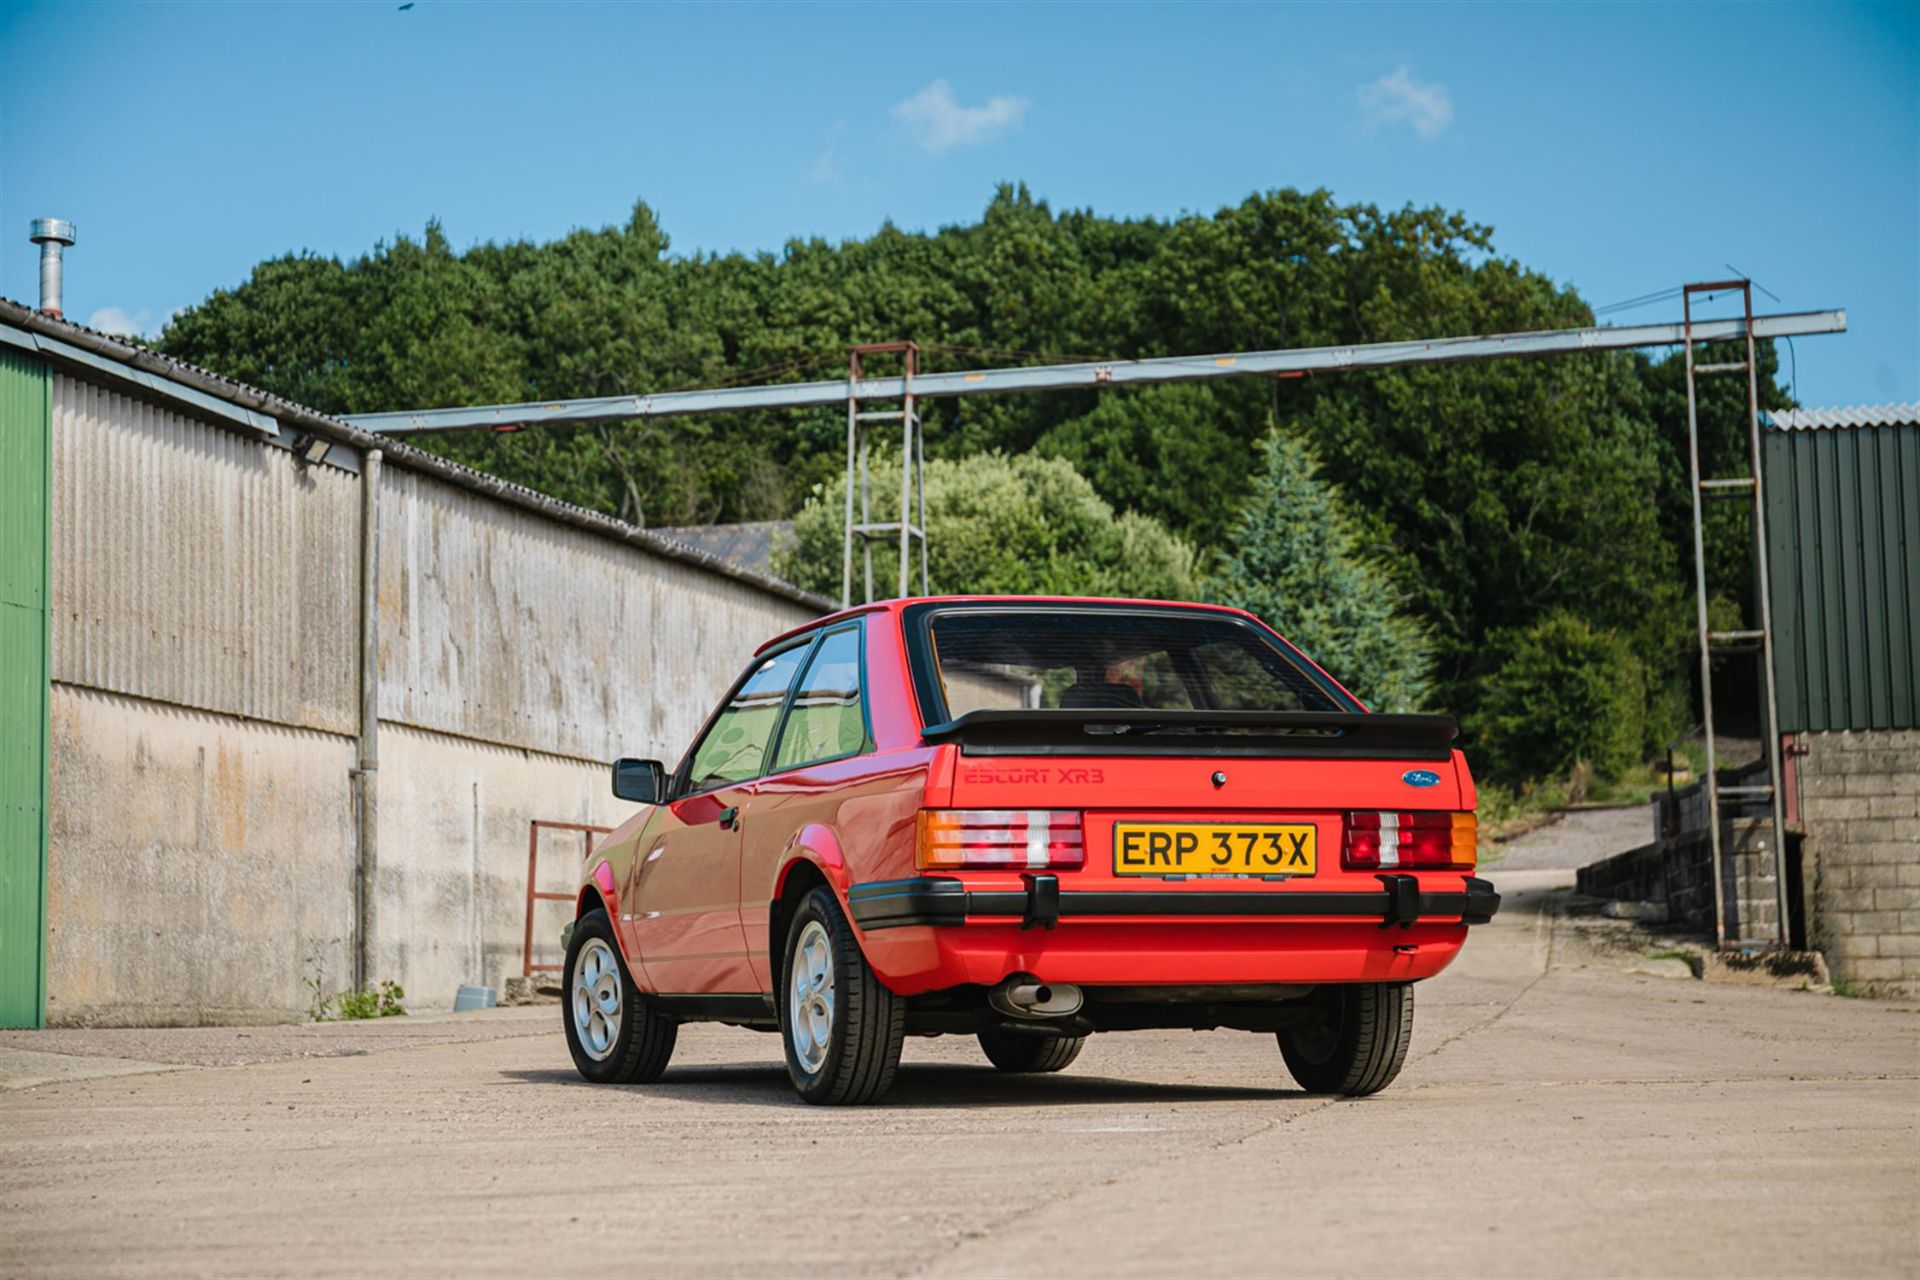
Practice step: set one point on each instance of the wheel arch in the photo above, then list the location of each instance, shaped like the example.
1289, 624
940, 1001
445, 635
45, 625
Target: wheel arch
597, 892
814, 861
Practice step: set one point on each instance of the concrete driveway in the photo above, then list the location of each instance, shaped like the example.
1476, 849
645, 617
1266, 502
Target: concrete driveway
1561, 1115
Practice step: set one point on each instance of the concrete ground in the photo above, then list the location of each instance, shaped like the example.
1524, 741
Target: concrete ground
1560, 1115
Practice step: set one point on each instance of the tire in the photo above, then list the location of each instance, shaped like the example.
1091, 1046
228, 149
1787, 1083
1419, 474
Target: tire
1015, 1052
612, 1034
841, 1027
1357, 1044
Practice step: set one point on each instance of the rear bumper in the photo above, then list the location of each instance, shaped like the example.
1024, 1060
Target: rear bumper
931, 900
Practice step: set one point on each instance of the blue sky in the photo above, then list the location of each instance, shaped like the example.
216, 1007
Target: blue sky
1621, 149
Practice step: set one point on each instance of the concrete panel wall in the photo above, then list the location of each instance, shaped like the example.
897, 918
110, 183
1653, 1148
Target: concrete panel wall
195, 566
1860, 805
195, 863
449, 902
205, 597
498, 625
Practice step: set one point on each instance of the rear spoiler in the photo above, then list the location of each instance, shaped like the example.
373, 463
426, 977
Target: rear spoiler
1119, 731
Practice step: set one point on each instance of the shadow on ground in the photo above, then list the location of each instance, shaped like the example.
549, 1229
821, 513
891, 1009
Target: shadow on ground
917, 1085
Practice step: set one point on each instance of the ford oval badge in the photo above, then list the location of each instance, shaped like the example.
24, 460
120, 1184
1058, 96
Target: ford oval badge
1420, 778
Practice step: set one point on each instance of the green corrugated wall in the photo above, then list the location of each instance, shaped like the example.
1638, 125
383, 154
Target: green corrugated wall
1843, 548
24, 460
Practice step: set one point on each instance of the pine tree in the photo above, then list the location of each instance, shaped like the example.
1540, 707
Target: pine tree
1295, 559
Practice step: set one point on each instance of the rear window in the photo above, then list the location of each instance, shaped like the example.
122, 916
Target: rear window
980, 657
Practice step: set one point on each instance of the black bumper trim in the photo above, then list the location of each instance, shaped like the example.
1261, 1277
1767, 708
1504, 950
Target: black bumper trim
929, 900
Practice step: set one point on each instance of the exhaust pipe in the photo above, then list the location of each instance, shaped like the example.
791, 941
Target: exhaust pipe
53, 235
1025, 996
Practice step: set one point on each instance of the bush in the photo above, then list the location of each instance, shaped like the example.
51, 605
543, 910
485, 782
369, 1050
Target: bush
1565, 695
999, 525
1296, 561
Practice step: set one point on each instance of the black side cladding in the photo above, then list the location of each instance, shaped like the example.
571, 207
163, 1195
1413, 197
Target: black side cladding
1272, 734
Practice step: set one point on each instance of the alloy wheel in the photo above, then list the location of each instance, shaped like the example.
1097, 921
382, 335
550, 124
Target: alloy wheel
596, 998
810, 996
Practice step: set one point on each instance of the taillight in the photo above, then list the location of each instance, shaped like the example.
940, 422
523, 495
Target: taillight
1420, 841
1024, 838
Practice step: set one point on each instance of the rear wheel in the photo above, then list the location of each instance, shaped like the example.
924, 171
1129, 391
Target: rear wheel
842, 1028
613, 1036
1012, 1051
1356, 1042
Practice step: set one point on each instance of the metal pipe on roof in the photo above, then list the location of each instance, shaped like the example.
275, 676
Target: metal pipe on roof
53, 235
1062, 377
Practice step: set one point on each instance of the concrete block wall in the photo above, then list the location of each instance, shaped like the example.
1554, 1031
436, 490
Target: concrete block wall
1859, 802
1750, 892
1678, 871
1675, 871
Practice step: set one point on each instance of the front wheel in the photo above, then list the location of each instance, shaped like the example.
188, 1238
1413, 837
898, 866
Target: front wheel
1356, 1041
842, 1028
613, 1036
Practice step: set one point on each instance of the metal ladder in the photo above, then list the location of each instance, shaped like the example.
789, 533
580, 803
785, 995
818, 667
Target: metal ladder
1711, 641
913, 486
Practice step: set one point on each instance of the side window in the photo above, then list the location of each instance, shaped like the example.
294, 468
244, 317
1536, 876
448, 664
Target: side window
827, 720
735, 747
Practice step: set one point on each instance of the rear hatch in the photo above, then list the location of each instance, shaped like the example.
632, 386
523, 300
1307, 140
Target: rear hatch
1137, 745
1207, 801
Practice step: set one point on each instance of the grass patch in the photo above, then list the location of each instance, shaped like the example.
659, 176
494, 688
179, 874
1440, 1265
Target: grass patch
1509, 811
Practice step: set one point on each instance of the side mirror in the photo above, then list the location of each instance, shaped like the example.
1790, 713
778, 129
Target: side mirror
642, 781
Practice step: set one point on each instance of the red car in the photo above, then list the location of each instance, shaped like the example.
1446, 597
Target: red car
1028, 820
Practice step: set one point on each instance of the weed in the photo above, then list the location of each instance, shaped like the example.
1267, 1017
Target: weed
384, 1001
1684, 957
314, 978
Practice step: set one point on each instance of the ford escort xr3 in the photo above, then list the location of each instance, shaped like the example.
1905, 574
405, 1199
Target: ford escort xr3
1029, 820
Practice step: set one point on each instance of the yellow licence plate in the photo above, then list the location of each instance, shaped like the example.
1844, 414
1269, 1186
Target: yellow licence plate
1213, 848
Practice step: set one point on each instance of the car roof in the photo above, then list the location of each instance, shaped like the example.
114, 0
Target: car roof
895, 606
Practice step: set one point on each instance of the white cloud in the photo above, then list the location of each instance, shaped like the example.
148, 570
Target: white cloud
144, 323
940, 122
1425, 105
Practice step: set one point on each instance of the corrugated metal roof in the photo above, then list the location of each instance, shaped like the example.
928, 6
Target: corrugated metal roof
1854, 415
144, 360
750, 545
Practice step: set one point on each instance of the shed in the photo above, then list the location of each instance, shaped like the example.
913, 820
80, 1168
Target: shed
1843, 542
280, 699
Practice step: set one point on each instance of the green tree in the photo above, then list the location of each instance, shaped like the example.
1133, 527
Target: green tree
1495, 494
1294, 557
1142, 447
1563, 694
999, 525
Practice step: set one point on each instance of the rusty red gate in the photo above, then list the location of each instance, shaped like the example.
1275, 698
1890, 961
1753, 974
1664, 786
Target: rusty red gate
534, 895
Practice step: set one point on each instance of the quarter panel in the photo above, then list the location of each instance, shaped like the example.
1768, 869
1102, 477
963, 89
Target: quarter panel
854, 818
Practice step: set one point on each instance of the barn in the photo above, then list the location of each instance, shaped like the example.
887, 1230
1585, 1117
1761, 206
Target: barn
283, 699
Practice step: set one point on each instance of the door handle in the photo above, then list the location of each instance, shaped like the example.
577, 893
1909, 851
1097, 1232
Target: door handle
730, 817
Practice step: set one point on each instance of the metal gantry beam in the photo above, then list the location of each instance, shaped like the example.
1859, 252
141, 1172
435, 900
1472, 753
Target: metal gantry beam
1116, 373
